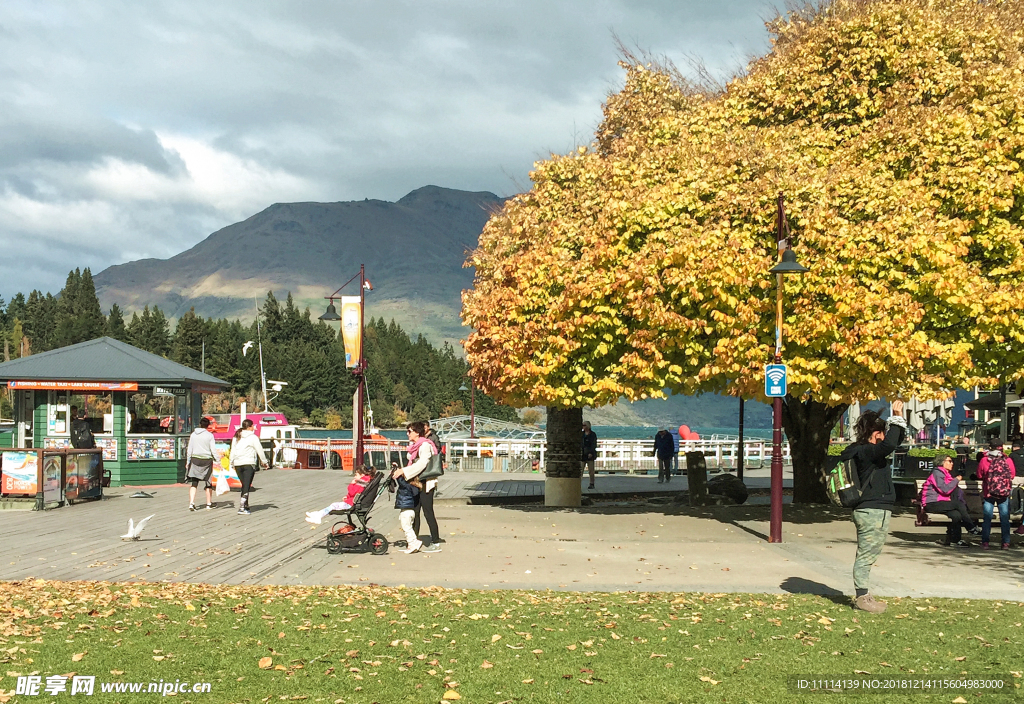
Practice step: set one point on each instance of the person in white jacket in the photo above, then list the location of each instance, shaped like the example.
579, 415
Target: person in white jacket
246, 451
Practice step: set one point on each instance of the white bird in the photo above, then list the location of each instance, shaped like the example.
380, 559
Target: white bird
135, 531
245, 347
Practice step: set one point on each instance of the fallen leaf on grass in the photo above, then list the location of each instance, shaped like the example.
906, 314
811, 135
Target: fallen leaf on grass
538, 651
77, 657
266, 663
117, 672
656, 655
615, 636
158, 658
529, 681
451, 695
486, 665
571, 647
705, 678
961, 658
495, 638
959, 700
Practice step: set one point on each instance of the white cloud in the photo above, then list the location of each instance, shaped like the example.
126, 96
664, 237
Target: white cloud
135, 129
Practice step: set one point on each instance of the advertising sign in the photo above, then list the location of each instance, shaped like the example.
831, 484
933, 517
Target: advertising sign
351, 329
20, 472
84, 476
225, 468
74, 385
51, 479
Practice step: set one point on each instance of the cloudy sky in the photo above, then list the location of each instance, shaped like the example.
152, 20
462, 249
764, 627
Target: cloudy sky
135, 129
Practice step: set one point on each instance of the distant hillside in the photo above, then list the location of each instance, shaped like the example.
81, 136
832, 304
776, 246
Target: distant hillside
413, 251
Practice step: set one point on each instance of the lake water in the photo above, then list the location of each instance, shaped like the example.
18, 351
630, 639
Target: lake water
605, 432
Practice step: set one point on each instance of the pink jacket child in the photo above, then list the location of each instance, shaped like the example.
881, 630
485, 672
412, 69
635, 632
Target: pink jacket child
354, 489
996, 484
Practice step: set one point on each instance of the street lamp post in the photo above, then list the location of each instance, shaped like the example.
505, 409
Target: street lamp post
472, 406
787, 265
360, 369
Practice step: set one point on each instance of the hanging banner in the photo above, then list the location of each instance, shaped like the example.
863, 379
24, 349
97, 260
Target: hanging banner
351, 329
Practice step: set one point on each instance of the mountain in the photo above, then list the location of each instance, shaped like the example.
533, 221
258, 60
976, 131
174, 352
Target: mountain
413, 251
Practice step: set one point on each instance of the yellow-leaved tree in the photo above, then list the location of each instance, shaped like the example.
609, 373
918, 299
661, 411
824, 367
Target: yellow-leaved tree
640, 264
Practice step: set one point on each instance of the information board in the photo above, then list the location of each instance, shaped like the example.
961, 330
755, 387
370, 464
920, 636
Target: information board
150, 448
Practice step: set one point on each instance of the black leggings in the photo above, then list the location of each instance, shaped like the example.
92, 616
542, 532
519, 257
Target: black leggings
426, 502
958, 514
245, 474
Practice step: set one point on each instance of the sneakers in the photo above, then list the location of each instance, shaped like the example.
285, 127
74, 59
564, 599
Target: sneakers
959, 544
869, 603
314, 517
191, 507
433, 547
1020, 529
1006, 546
209, 507
243, 511
975, 531
414, 548
591, 486
984, 546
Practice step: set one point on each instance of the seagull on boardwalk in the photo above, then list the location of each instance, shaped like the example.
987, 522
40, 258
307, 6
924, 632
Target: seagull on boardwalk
135, 531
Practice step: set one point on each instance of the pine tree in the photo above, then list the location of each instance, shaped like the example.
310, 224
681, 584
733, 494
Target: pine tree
115, 326
188, 340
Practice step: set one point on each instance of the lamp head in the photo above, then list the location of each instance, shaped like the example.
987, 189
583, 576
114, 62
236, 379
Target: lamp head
331, 313
788, 265
463, 388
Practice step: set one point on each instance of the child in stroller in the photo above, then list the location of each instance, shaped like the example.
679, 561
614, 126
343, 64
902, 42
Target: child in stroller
345, 535
362, 479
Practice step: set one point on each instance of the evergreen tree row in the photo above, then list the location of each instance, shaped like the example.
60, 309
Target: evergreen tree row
406, 378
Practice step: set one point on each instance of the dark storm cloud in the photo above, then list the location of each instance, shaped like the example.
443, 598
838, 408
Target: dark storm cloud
135, 129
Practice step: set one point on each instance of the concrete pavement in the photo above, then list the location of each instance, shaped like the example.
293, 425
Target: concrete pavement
627, 542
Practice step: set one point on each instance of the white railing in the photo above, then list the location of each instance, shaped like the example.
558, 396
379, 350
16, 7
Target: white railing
629, 456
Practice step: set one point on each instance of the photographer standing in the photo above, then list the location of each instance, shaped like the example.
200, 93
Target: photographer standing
876, 440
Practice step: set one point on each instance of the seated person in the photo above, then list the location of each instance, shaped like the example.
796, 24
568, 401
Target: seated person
941, 493
360, 482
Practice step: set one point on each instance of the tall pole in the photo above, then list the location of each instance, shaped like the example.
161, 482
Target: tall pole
472, 408
739, 459
360, 370
775, 523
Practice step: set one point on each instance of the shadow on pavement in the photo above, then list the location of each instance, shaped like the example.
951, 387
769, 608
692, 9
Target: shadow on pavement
927, 547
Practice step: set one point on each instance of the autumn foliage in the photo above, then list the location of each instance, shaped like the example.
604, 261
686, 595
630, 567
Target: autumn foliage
640, 263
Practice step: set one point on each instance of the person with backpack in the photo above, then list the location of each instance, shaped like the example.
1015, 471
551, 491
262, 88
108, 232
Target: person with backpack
425, 502
942, 493
876, 440
81, 433
996, 472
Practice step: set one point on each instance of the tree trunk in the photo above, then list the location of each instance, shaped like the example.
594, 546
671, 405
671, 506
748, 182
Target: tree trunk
562, 466
808, 425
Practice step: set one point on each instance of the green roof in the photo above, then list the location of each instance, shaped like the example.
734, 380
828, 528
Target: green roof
103, 359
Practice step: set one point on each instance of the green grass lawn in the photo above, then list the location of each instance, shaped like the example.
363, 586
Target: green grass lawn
375, 644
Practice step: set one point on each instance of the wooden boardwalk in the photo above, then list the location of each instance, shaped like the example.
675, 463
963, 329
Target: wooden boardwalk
272, 545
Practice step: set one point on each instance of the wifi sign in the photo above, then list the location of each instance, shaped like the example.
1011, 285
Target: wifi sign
775, 380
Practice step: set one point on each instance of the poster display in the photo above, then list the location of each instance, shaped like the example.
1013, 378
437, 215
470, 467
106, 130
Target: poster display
84, 477
51, 479
109, 447
150, 448
19, 472
224, 448
351, 329
56, 443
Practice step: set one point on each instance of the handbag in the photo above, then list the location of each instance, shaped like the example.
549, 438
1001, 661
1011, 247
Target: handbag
434, 468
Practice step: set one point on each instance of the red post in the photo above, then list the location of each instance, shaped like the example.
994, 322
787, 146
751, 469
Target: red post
775, 523
360, 370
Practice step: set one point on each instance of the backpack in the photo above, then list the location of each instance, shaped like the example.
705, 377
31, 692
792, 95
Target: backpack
843, 484
81, 436
999, 478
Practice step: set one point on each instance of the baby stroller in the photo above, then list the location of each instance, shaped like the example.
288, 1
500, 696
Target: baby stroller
346, 536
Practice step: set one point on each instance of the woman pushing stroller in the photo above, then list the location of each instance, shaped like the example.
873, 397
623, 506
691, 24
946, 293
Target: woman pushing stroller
409, 487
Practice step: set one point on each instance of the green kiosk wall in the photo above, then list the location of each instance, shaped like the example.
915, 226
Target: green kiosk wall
151, 452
